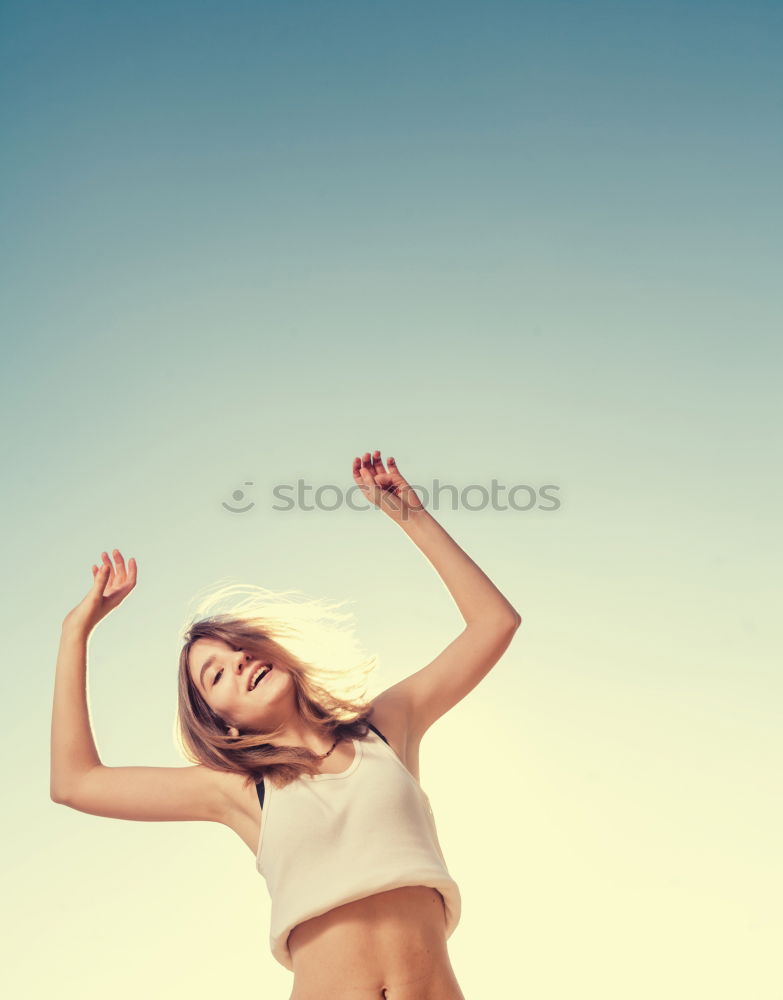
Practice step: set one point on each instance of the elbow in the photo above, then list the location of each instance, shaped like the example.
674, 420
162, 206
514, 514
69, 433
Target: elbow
513, 619
508, 622
58, 795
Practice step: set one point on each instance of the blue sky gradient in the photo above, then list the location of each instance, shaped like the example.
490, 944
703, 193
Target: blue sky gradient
535, 242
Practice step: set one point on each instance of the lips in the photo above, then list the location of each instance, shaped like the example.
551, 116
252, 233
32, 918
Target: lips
262, 668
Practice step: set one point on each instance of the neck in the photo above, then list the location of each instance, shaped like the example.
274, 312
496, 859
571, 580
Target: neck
301, 735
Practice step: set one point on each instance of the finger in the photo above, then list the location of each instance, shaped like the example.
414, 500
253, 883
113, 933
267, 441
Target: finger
377, 462
107, 564
357, 465
367, 468
130, 577
120, 563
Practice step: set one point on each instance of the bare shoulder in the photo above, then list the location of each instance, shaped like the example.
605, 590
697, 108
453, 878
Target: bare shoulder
389, 715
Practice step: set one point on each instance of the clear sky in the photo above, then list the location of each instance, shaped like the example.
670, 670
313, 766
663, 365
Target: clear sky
531, 242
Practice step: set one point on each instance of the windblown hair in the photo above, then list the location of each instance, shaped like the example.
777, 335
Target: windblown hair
291, 633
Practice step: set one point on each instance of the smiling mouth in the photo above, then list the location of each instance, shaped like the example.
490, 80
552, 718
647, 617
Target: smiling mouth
258, 676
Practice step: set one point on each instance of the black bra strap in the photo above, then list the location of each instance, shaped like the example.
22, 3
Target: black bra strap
378, 732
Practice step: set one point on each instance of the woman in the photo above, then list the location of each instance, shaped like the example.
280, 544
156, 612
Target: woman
329, 802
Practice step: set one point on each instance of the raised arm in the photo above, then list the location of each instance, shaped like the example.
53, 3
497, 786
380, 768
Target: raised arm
490, 619
78, 777
476, 596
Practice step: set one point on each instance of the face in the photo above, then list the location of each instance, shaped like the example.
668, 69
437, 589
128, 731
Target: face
224, 676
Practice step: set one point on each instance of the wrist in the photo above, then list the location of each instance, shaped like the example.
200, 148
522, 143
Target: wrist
416, 519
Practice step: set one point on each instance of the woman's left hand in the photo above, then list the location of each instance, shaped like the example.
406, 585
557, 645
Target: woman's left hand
389, 491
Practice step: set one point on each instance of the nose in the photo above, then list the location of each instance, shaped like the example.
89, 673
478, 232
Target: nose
243, 660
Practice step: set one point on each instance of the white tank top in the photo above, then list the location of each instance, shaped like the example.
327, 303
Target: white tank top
329, 839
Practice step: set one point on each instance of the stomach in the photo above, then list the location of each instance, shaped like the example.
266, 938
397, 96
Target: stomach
391, 944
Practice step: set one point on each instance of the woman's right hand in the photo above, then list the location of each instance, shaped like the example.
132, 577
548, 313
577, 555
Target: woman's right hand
110, 587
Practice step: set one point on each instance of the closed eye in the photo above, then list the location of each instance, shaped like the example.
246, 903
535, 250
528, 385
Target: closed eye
217, 675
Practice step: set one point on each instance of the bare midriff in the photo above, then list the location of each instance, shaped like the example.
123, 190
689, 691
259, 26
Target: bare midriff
391, 944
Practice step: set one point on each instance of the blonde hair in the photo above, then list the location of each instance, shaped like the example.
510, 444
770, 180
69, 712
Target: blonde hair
310, 638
